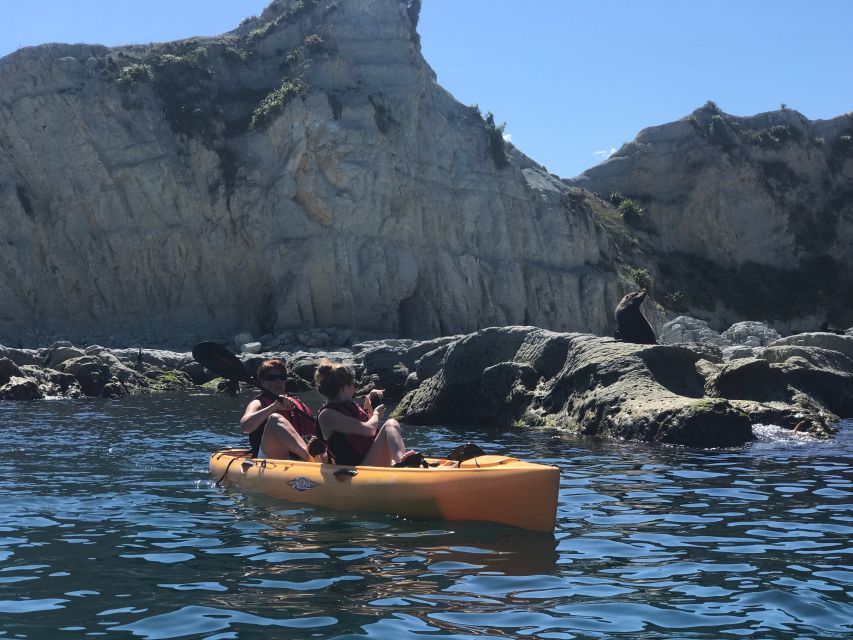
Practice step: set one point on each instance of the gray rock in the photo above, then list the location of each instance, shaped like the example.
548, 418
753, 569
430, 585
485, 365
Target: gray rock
95, 372
8, 369
842, 344
251, 347
597, 386
751, 334
735, 353
52, 383
90, 371
59, 353
21, 356
20, 389
686, 329
747, 379
242, 338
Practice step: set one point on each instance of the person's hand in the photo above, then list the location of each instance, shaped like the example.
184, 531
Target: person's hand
379, 411
376, 397
286, 403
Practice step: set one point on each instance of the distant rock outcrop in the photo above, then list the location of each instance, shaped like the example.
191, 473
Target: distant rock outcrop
741, 217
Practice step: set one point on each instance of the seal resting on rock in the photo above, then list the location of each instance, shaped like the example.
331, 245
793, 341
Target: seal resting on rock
631, 324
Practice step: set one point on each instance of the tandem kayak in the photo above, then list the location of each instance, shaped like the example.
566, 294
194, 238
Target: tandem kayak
489, 488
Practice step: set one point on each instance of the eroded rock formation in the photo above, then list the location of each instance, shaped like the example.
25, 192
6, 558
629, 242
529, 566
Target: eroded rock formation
741, 217
303, 170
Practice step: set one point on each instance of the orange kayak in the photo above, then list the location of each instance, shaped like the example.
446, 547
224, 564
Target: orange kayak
488, 488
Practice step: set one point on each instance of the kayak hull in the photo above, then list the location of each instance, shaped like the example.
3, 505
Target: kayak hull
488, 488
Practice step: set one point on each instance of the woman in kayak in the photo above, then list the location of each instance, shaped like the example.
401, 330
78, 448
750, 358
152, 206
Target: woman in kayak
353, 433
278, 429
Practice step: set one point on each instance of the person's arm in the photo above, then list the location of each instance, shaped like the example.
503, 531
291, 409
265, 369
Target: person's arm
255, 415
373, 400
332, 421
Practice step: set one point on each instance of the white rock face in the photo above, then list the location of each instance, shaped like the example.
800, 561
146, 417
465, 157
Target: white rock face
370, 202
765, 201
745, 217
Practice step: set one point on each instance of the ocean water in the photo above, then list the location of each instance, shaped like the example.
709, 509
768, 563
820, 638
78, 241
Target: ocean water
111, 527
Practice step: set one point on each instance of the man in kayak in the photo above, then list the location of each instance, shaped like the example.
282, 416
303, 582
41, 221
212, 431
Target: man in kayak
279, 429
353, 433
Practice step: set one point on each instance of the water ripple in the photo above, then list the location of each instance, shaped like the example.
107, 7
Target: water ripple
115, 529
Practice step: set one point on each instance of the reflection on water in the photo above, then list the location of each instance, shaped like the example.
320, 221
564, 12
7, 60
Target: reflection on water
109, 525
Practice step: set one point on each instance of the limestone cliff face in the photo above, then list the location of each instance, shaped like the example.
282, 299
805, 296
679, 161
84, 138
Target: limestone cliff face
305, 169
742, 217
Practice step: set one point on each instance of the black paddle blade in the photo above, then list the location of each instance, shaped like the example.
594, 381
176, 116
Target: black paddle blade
216, 358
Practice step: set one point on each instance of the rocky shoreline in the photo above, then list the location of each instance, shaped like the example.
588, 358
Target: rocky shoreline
698, 388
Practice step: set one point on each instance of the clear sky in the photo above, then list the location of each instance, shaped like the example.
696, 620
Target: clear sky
573, 79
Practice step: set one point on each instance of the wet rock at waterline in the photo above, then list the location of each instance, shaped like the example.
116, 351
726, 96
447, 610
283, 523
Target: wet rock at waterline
687, 394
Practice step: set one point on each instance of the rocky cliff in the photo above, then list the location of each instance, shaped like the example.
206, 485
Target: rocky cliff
305, 169
741, 217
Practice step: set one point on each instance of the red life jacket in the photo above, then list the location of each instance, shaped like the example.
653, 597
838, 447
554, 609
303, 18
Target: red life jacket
348, 448
301, 418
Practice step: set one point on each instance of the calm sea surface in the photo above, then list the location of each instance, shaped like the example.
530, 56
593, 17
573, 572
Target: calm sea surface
110, 526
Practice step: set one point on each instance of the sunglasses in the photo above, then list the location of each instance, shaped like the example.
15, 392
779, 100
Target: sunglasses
273, 377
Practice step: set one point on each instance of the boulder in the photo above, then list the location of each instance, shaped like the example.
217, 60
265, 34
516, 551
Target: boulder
686, 329
90, 371
735, 353
21, 356
747, 379
20, 389
94, 373
637, 392
59, 353
242, 338
816, 357
841, 343
53, 383
750, 333
8, 370
451, 376
113, 389
597, 386
250, 347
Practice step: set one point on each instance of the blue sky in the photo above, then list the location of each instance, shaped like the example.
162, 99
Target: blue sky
573, 79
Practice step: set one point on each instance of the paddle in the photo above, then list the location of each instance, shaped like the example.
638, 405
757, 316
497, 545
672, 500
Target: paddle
216, 358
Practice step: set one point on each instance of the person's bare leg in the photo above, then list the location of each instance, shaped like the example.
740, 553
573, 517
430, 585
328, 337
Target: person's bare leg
388, 448
281, 439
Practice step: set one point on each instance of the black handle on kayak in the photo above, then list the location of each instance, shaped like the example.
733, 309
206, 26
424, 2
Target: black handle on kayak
219, 360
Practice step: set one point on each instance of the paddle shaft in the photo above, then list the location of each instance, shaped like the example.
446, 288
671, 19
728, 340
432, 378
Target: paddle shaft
222, 362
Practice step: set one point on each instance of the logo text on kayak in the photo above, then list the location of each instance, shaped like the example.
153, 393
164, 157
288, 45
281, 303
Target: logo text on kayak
302, 484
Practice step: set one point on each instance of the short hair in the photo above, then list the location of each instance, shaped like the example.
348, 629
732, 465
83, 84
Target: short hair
270, 365
331, 377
